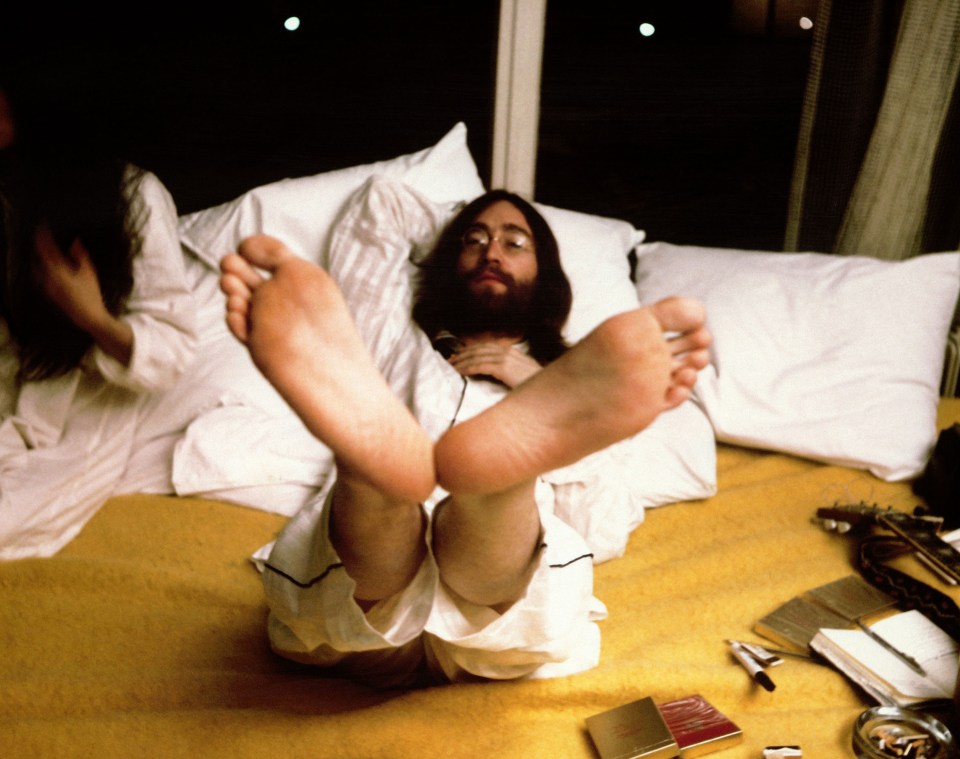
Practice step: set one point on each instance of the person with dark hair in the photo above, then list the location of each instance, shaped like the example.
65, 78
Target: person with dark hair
96, 317
533, 310
436, 555
70, 240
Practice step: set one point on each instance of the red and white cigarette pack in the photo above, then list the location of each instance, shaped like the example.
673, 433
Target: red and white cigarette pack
698, 727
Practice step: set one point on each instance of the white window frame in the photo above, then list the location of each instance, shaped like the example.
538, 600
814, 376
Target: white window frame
517, 104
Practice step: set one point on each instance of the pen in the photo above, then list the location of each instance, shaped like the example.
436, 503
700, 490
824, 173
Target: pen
766, 657
905, 658
750, 664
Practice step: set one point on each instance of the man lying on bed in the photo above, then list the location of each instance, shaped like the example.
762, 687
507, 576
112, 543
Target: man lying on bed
489, 584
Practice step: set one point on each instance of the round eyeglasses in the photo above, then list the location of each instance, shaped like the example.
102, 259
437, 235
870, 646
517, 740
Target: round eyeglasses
511, 240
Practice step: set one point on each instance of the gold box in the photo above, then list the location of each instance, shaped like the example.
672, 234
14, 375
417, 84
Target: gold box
633, 731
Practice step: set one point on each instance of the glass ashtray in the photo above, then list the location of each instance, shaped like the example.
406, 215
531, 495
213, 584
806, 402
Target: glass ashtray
889, 731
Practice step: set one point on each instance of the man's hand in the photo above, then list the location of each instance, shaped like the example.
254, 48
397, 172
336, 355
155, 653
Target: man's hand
502, 362
71, 283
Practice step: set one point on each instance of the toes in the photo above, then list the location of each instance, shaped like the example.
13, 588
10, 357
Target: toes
264, 252
239, 267
676, 394
696, 359
235, 286
688, 342
238, 325
677, 314
237, 303
683, 376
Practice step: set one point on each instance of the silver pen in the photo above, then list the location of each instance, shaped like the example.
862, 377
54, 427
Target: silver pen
905, 658
752, 666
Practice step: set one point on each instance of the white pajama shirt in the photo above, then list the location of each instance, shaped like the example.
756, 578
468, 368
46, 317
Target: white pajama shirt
65, 442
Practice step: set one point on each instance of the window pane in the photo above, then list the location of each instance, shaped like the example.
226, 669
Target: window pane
680, 117
219, 97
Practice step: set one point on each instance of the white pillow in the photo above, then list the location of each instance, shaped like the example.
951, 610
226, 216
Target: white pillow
834, 358
302, 211
593, 251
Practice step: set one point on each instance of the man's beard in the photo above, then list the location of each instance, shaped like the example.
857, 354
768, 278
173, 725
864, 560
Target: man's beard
508, 312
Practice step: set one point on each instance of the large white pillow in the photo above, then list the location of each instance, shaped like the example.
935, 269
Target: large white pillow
593, 251
834, 358
301, 211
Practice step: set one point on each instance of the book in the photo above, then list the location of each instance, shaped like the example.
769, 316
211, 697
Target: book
885, 676
698, 726
851, 597
836, 604
792, 625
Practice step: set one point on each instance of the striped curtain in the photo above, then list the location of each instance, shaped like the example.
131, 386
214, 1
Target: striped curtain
877, 170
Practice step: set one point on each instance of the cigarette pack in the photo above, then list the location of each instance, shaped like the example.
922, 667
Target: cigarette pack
698, 726
633, 731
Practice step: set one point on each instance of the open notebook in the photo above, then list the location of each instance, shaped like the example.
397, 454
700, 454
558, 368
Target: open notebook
885, 676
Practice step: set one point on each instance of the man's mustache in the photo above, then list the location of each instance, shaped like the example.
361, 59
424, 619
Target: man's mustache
484, 271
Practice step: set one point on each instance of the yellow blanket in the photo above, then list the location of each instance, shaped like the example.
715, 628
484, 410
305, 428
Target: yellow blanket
145, 636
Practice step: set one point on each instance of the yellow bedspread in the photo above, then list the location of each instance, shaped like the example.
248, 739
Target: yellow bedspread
145, 636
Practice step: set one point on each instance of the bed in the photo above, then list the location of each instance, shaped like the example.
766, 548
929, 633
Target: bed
146, 636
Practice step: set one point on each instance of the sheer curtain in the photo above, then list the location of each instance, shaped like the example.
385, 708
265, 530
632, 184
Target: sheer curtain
877, 170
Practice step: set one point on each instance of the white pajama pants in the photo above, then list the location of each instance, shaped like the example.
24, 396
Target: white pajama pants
426, 630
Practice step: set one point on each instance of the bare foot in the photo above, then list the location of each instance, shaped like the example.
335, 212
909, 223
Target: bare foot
301, 336
609, 386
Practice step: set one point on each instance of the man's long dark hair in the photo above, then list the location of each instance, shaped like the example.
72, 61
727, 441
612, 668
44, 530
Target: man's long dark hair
436, 300
77, 198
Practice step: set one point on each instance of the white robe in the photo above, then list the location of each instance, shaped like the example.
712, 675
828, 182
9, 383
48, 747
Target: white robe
65, 442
